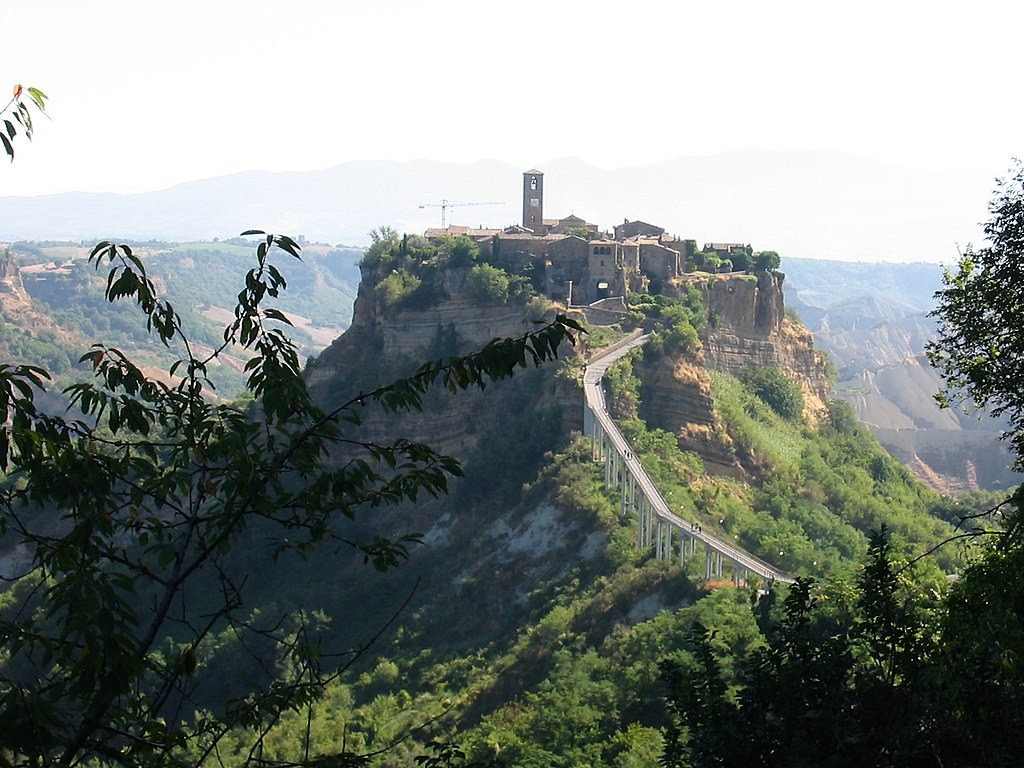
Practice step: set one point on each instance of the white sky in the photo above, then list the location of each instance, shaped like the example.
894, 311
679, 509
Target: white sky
145, 95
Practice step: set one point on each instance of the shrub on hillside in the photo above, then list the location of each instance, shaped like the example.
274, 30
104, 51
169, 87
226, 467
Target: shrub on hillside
779, 393
487, 284
396, 287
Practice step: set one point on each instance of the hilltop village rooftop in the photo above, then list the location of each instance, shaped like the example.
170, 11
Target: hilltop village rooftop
581, 264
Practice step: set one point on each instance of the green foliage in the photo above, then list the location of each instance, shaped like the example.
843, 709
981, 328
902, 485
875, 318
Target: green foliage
836, 681
411, 272
492, 285
459, 251
204, 278
765, 261
842, 418
384, 243
771, 385
396, 288
978, 351
488, 285
739, 261
823, 492
577, 232
623, 387
322, 286
134, 519
17, 113
983, 654
680, 320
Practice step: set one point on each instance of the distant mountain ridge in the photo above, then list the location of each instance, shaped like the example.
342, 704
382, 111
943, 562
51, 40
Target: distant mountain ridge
873, 320
811, 204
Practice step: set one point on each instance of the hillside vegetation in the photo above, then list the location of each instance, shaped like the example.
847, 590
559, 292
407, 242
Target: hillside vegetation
52, 308
536, 634
523, 625
536, 631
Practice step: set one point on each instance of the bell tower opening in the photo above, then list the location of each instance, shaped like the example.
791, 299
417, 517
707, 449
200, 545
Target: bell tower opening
533, 201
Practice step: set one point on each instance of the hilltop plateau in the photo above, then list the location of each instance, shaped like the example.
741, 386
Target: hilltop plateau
530, 604
523, 618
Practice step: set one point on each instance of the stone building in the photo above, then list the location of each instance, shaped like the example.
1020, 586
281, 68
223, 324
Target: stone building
573, 260
628, 229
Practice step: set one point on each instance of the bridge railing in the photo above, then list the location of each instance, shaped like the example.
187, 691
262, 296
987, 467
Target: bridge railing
600, 426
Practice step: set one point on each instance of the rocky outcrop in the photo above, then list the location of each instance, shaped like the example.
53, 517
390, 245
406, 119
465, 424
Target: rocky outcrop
750, 305
382, 345
747, 328
677, 397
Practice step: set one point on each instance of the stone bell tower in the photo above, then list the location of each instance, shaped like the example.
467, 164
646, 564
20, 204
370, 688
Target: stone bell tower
533, 201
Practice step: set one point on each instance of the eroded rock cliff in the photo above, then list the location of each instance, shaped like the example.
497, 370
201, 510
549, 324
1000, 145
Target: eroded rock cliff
747, 328
384, 344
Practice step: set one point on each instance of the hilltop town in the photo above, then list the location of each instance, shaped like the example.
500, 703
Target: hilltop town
582, 265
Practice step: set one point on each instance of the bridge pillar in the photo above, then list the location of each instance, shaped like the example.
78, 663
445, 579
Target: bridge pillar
607, 465
640, 525
712, 563
740, 575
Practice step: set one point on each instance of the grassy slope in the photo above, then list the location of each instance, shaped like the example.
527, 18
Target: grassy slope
536, 630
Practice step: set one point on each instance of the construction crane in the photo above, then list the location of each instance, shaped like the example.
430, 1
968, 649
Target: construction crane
444, 205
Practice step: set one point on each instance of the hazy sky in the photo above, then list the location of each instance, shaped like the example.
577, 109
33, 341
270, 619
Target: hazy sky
146, 95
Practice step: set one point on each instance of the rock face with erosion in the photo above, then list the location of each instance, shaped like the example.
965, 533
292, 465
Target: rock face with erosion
381, 346
747, 329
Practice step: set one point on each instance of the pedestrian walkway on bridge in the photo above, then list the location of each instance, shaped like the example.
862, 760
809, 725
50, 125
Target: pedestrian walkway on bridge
658, 527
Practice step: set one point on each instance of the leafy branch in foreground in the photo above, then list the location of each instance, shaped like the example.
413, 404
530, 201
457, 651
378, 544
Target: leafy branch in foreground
17, 111
123, 527
979, 350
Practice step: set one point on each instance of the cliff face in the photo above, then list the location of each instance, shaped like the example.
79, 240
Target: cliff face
747, 329
382, 345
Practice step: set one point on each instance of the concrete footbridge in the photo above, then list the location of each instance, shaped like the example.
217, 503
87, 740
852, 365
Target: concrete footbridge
657, 526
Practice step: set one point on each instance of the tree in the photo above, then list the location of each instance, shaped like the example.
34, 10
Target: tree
980, 349
581, 232
487, 284
131, 513
980, 353
461, 251
395, 288
771, 385
837, 681
18, 108
766, 261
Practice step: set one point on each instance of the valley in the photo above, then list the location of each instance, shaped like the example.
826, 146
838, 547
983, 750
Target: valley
519, 617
